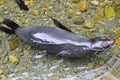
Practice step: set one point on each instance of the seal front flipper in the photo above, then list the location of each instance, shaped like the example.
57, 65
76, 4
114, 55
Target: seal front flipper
64, 53
58, 24
21, 4
12, 25
6, 30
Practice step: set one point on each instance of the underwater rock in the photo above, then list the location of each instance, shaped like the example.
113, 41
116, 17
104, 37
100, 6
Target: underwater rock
75, 1
109, 12
117, 33
89, 25
35, 12
5, 60
13, 59
14, 44
29, 3
78, 20
82, 6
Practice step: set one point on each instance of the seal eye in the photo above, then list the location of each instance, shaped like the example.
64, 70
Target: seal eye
106, 46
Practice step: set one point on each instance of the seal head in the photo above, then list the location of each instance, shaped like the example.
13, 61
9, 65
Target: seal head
100, 44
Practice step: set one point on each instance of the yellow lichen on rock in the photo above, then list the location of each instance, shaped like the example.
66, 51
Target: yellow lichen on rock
11, 5
26, 2
1, 1
116, 73
89, 25
109, 12
98, 18
117, 32
71, 12
26, 65
90, 35
99, 15
117, 41
29, 3
82, 6
47, 4
78, 20
116, 6
3, 77
1, 71
35, 12
13, 59
101, 4
75, 1
5, 60
14, 44
1, 50
73, 6
101, 30
1, 20
90, 65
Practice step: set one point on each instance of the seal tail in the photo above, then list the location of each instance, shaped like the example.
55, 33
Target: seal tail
12, 25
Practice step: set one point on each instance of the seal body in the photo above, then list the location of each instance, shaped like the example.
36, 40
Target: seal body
55, 40
59, 40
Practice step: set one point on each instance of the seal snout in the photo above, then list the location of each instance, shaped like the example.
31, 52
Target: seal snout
111, 42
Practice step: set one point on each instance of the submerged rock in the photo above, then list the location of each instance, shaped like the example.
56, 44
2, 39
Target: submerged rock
78, 20
14, 44
29, 3
82, 6
116, 6
109, 12
117, 41
1, 1
117, 33
75, 1
35, 12
89, 25
13, 59
5, 60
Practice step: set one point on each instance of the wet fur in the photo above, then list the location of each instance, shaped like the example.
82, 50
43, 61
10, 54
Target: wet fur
21, 4
72, 46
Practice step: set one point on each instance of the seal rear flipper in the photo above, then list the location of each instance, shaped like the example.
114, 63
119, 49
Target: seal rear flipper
58, 24
6, 30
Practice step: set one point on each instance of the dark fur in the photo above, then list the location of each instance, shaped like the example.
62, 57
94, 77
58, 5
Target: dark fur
58, 24
12, 25
69, 48
6, 30
21, 4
